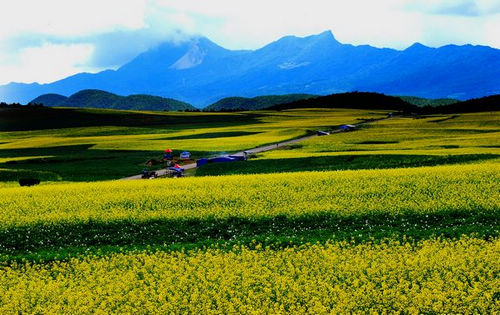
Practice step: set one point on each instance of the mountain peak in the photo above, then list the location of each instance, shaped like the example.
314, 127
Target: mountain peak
199, 48
326, 36
192, 58
323, 38
418, 46
206, 44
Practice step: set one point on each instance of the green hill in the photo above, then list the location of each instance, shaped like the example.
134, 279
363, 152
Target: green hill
358, 100
103, 99
369, 100
255, 103
475, 105
50, 99
420, 101
149, 102
90, 98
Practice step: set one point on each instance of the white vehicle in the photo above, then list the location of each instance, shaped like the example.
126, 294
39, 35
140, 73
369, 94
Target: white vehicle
185, 155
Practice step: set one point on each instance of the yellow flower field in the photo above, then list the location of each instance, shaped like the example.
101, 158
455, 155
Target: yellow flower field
397, 191
410, 239
432, 276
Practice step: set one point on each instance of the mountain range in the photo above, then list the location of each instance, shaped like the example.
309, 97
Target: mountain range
201, 72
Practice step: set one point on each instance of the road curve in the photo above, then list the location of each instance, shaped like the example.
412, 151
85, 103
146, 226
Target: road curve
265, 148
163, 172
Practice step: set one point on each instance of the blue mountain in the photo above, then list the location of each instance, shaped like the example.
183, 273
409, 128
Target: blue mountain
201, 72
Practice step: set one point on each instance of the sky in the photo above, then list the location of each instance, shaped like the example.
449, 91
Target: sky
44, 41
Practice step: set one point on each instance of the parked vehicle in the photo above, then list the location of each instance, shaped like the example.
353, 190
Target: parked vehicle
148, 174
29, 181
347, 127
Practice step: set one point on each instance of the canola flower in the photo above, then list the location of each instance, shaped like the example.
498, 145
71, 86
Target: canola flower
432, 276
463, 188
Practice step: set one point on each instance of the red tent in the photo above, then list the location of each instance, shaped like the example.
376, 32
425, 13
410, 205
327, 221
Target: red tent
167, 150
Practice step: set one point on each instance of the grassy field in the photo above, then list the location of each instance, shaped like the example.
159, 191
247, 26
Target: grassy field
115, 151
396, 142
401, 216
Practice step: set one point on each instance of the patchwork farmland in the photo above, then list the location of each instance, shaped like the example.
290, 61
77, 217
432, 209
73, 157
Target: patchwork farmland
402, 213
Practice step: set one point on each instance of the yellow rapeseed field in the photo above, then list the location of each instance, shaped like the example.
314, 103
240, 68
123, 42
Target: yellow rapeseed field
432, 276
395, 191
450, 264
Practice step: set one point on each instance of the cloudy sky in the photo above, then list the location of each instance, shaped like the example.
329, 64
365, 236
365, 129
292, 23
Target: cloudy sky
43, 41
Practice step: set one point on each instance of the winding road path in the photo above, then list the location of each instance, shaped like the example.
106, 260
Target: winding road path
163, 172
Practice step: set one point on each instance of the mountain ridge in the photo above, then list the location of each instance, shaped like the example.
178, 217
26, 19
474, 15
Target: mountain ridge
201, 72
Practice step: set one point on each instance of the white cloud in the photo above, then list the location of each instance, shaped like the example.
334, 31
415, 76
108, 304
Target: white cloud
383, 23
490, 34
46, 63
250, 24
454, 7
69, 18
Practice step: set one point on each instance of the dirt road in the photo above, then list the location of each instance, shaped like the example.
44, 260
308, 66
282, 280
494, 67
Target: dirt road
265, 148
269, 147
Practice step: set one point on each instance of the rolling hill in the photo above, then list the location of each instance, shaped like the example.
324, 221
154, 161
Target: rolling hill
103, 99
254, 103
368, 100
201, 72
420, 101
50, 99
354, 100
483, 104
358, 100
